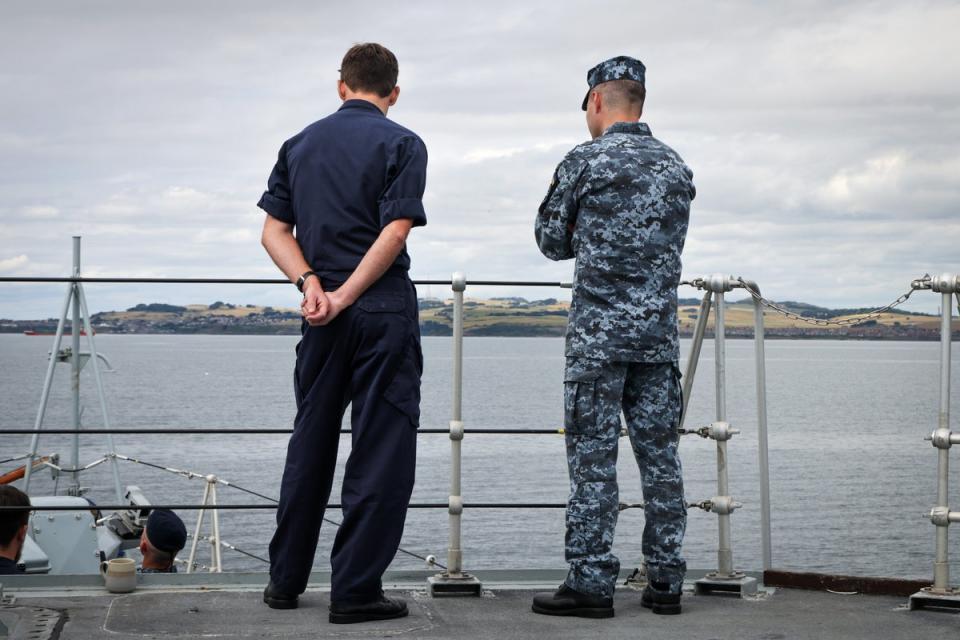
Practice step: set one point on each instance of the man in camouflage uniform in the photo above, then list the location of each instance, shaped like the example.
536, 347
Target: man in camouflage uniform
620, 205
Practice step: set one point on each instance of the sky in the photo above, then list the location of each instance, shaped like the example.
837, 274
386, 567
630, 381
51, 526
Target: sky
823, 136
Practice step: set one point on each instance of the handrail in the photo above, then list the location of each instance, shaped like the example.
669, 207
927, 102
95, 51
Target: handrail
232, 431
82, 279
197, 507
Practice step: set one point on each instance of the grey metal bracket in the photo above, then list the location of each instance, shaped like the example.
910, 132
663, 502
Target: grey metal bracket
930, 599
737, 583
463, 584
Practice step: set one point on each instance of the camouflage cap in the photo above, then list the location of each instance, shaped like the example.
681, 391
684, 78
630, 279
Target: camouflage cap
619, 68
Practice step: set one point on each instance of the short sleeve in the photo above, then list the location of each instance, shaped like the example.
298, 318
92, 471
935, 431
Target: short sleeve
406, 180
276, 199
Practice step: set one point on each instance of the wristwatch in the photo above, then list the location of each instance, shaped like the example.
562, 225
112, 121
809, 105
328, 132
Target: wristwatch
302, 279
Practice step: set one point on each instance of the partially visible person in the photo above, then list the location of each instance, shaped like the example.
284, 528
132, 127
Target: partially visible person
162, 538
13, 528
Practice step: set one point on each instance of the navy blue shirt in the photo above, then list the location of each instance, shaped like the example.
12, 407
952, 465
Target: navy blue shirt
8, 567
344, 178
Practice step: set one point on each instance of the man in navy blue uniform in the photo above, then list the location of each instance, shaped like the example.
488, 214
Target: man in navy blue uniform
351, 186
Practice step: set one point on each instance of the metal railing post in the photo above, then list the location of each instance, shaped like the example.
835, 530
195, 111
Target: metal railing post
941, 567
725, 578
98, 379
763, 458
191, 559
45, 394
724, 552
941, 595
698, 332
74, 489
454, 581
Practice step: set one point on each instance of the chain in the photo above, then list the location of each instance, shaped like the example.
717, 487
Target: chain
921, 283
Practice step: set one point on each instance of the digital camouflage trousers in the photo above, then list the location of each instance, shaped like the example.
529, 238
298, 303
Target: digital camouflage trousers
650, 396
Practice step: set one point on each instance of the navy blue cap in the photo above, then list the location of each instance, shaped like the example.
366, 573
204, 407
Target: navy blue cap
619, 68
165, 531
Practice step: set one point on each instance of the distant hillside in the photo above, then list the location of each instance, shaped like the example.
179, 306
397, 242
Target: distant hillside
492, 317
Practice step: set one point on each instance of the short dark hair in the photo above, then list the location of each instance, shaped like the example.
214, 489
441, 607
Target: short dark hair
370, 67
161, 557
11, 521
624, 94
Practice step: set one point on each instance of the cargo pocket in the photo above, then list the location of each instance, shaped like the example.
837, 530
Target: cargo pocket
403, 392
678, 375
580, 400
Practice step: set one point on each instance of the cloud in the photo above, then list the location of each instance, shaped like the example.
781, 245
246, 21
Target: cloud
822, 135
14, 264
40, 211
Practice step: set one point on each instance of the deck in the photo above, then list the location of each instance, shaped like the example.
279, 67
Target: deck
229, 606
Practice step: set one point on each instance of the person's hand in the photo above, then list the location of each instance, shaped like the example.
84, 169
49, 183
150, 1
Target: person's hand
336, 303
315, 306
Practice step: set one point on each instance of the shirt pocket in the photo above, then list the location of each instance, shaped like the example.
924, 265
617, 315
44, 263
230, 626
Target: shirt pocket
580, 415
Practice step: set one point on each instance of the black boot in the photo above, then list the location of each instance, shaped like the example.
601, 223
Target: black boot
383, 609
277, 600
567, 602
658, 598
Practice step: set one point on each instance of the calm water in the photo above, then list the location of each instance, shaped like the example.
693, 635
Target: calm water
852, 477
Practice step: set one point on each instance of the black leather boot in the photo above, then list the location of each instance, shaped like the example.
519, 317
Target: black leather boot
278, 600
383, 609
567, 602
658, 598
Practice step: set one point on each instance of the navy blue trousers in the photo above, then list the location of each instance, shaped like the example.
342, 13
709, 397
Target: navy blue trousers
369, 357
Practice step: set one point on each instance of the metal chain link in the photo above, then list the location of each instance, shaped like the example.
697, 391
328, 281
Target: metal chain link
921, 283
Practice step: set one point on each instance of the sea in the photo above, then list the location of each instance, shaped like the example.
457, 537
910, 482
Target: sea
852, 479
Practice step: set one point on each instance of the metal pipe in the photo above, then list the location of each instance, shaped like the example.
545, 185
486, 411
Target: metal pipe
47, 384
455, 551
331, 505
98, 379
196, 530
724, 552
484, 283
217, 564
75, 369
698, 331
941, 567
231, 430
762, 450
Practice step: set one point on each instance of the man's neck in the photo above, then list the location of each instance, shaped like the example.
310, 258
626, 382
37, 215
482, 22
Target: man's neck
8, 553
148, 563
614, 118
381, 103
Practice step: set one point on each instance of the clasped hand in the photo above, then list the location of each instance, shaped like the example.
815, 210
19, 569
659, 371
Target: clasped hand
319, 308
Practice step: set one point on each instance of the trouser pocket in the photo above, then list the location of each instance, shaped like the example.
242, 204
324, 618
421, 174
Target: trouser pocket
678, 375
580, 412
403, 392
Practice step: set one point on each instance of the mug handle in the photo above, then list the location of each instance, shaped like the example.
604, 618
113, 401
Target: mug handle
103, 568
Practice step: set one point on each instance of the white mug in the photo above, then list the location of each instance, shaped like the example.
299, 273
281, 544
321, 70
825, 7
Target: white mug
119, 575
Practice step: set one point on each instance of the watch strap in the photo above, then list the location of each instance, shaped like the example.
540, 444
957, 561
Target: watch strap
303, 279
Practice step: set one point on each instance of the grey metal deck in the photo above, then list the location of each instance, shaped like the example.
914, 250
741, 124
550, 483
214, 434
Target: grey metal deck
184, 609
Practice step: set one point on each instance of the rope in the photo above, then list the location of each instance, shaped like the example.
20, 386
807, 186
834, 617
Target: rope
820, 322
231, 547
191, 475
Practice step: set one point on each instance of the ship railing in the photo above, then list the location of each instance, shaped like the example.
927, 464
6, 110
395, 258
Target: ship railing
454, 580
